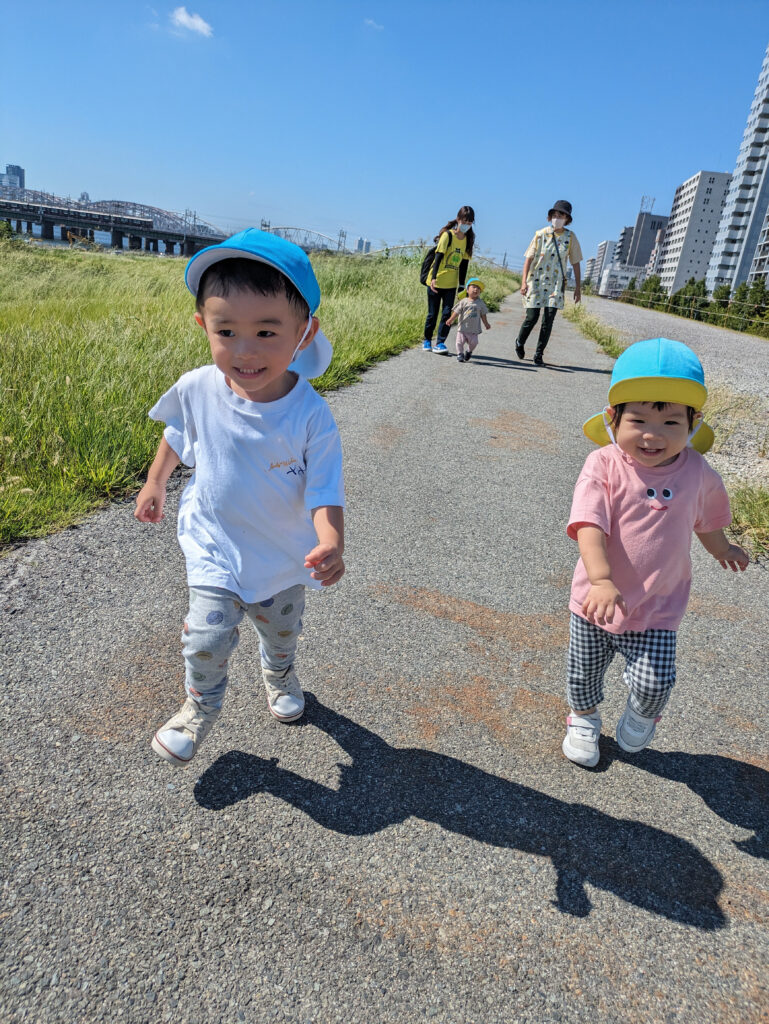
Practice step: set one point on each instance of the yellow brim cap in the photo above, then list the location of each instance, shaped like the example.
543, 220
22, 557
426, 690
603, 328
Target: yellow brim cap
678, 390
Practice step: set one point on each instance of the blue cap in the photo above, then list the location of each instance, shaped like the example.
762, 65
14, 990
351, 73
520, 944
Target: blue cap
285, 257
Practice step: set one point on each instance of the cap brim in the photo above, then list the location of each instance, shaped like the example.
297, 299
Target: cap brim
679, 390
595, 430
315, 359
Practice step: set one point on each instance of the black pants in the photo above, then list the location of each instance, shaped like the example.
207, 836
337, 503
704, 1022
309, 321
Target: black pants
532, 315
434, 300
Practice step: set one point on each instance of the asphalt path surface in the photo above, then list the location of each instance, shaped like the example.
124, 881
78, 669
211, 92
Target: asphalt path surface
417, 847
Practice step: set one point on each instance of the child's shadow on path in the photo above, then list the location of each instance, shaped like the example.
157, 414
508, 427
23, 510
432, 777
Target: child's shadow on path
736, 791
384, 785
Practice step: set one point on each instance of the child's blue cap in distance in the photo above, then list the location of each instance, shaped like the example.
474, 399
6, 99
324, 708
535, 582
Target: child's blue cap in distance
656, 370
289, 260
473, 280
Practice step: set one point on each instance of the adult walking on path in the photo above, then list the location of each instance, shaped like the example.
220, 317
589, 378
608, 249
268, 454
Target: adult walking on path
454, 248
543, 282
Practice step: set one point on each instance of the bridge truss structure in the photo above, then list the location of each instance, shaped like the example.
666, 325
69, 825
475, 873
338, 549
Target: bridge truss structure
162, 220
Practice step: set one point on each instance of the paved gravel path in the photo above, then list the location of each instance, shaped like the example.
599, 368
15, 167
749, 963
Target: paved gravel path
417, 847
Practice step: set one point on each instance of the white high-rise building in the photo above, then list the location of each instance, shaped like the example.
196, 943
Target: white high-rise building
747, 200
691, 231
604, 257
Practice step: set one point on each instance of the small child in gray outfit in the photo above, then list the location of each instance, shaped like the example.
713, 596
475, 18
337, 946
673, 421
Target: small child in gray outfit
469, 311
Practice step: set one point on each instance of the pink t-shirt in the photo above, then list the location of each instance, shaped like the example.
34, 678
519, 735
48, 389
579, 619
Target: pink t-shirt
648, 516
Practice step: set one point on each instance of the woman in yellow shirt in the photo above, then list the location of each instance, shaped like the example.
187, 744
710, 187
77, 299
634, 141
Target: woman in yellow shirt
452, 258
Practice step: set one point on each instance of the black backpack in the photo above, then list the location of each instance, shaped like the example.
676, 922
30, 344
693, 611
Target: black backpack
427, 262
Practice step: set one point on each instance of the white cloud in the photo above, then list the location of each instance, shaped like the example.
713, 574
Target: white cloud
182, 18
370, 23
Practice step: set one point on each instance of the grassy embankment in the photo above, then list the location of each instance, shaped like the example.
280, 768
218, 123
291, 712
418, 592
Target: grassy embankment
750, 504
89, 341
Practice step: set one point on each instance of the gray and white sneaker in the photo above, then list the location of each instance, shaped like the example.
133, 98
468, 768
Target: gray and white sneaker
634, 731
178, 740
284, 694
581, 741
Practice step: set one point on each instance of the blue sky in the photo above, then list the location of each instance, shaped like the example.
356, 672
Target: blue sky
380, 117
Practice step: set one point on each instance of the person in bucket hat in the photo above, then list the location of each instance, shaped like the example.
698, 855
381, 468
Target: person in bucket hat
262, 515
543, 282
470, 311
637, 502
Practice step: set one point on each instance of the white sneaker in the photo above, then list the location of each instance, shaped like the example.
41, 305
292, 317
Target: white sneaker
178, 740
634, 732
284, 694
581, 741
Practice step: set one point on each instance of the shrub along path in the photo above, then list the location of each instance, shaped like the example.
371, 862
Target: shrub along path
417, 847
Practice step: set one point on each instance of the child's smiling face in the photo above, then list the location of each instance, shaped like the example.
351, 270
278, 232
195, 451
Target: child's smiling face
653, 437
473, 291
253, 339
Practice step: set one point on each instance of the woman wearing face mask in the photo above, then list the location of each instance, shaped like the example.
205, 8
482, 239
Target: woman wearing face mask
452, 257
543, 282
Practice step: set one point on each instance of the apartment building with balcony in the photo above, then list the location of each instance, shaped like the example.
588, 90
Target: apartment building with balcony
747, 201
691, 231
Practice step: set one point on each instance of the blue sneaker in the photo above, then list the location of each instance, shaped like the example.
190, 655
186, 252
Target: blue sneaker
440, 347
427, 346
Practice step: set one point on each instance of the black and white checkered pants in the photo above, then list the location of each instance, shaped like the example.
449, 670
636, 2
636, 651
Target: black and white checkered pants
650, 665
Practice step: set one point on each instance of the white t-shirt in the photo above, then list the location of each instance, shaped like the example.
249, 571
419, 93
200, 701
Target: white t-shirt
260, 467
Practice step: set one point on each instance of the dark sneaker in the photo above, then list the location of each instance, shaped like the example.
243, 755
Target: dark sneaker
468, 356
520, 351
539, 361
461, 357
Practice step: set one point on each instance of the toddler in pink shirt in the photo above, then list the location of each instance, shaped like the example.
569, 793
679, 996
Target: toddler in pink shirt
636, 504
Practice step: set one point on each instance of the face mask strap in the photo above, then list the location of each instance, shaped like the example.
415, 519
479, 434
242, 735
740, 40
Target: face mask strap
307, 329
700, 420
609, 431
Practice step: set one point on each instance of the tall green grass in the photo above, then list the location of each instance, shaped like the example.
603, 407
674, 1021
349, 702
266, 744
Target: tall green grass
89, 341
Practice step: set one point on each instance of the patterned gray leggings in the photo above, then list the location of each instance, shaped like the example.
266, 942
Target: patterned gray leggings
211, 635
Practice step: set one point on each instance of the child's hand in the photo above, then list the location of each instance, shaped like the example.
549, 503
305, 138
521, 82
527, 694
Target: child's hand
327, 562
735, 558
487, 325
149, 503
602, 598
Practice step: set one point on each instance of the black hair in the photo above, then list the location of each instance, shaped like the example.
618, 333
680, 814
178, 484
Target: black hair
466, 213
242, 274
619, 409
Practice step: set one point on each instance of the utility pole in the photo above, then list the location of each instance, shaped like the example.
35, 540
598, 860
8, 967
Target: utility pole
265, 225
342, 243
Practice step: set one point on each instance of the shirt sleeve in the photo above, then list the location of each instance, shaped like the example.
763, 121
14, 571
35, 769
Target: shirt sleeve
443, 242
324, 484
575, 250
180, 428
713, 511
590, 504
484, 309
531, 252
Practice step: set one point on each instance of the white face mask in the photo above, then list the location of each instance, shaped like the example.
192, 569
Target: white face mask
558, 222
462, 228
307, 329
